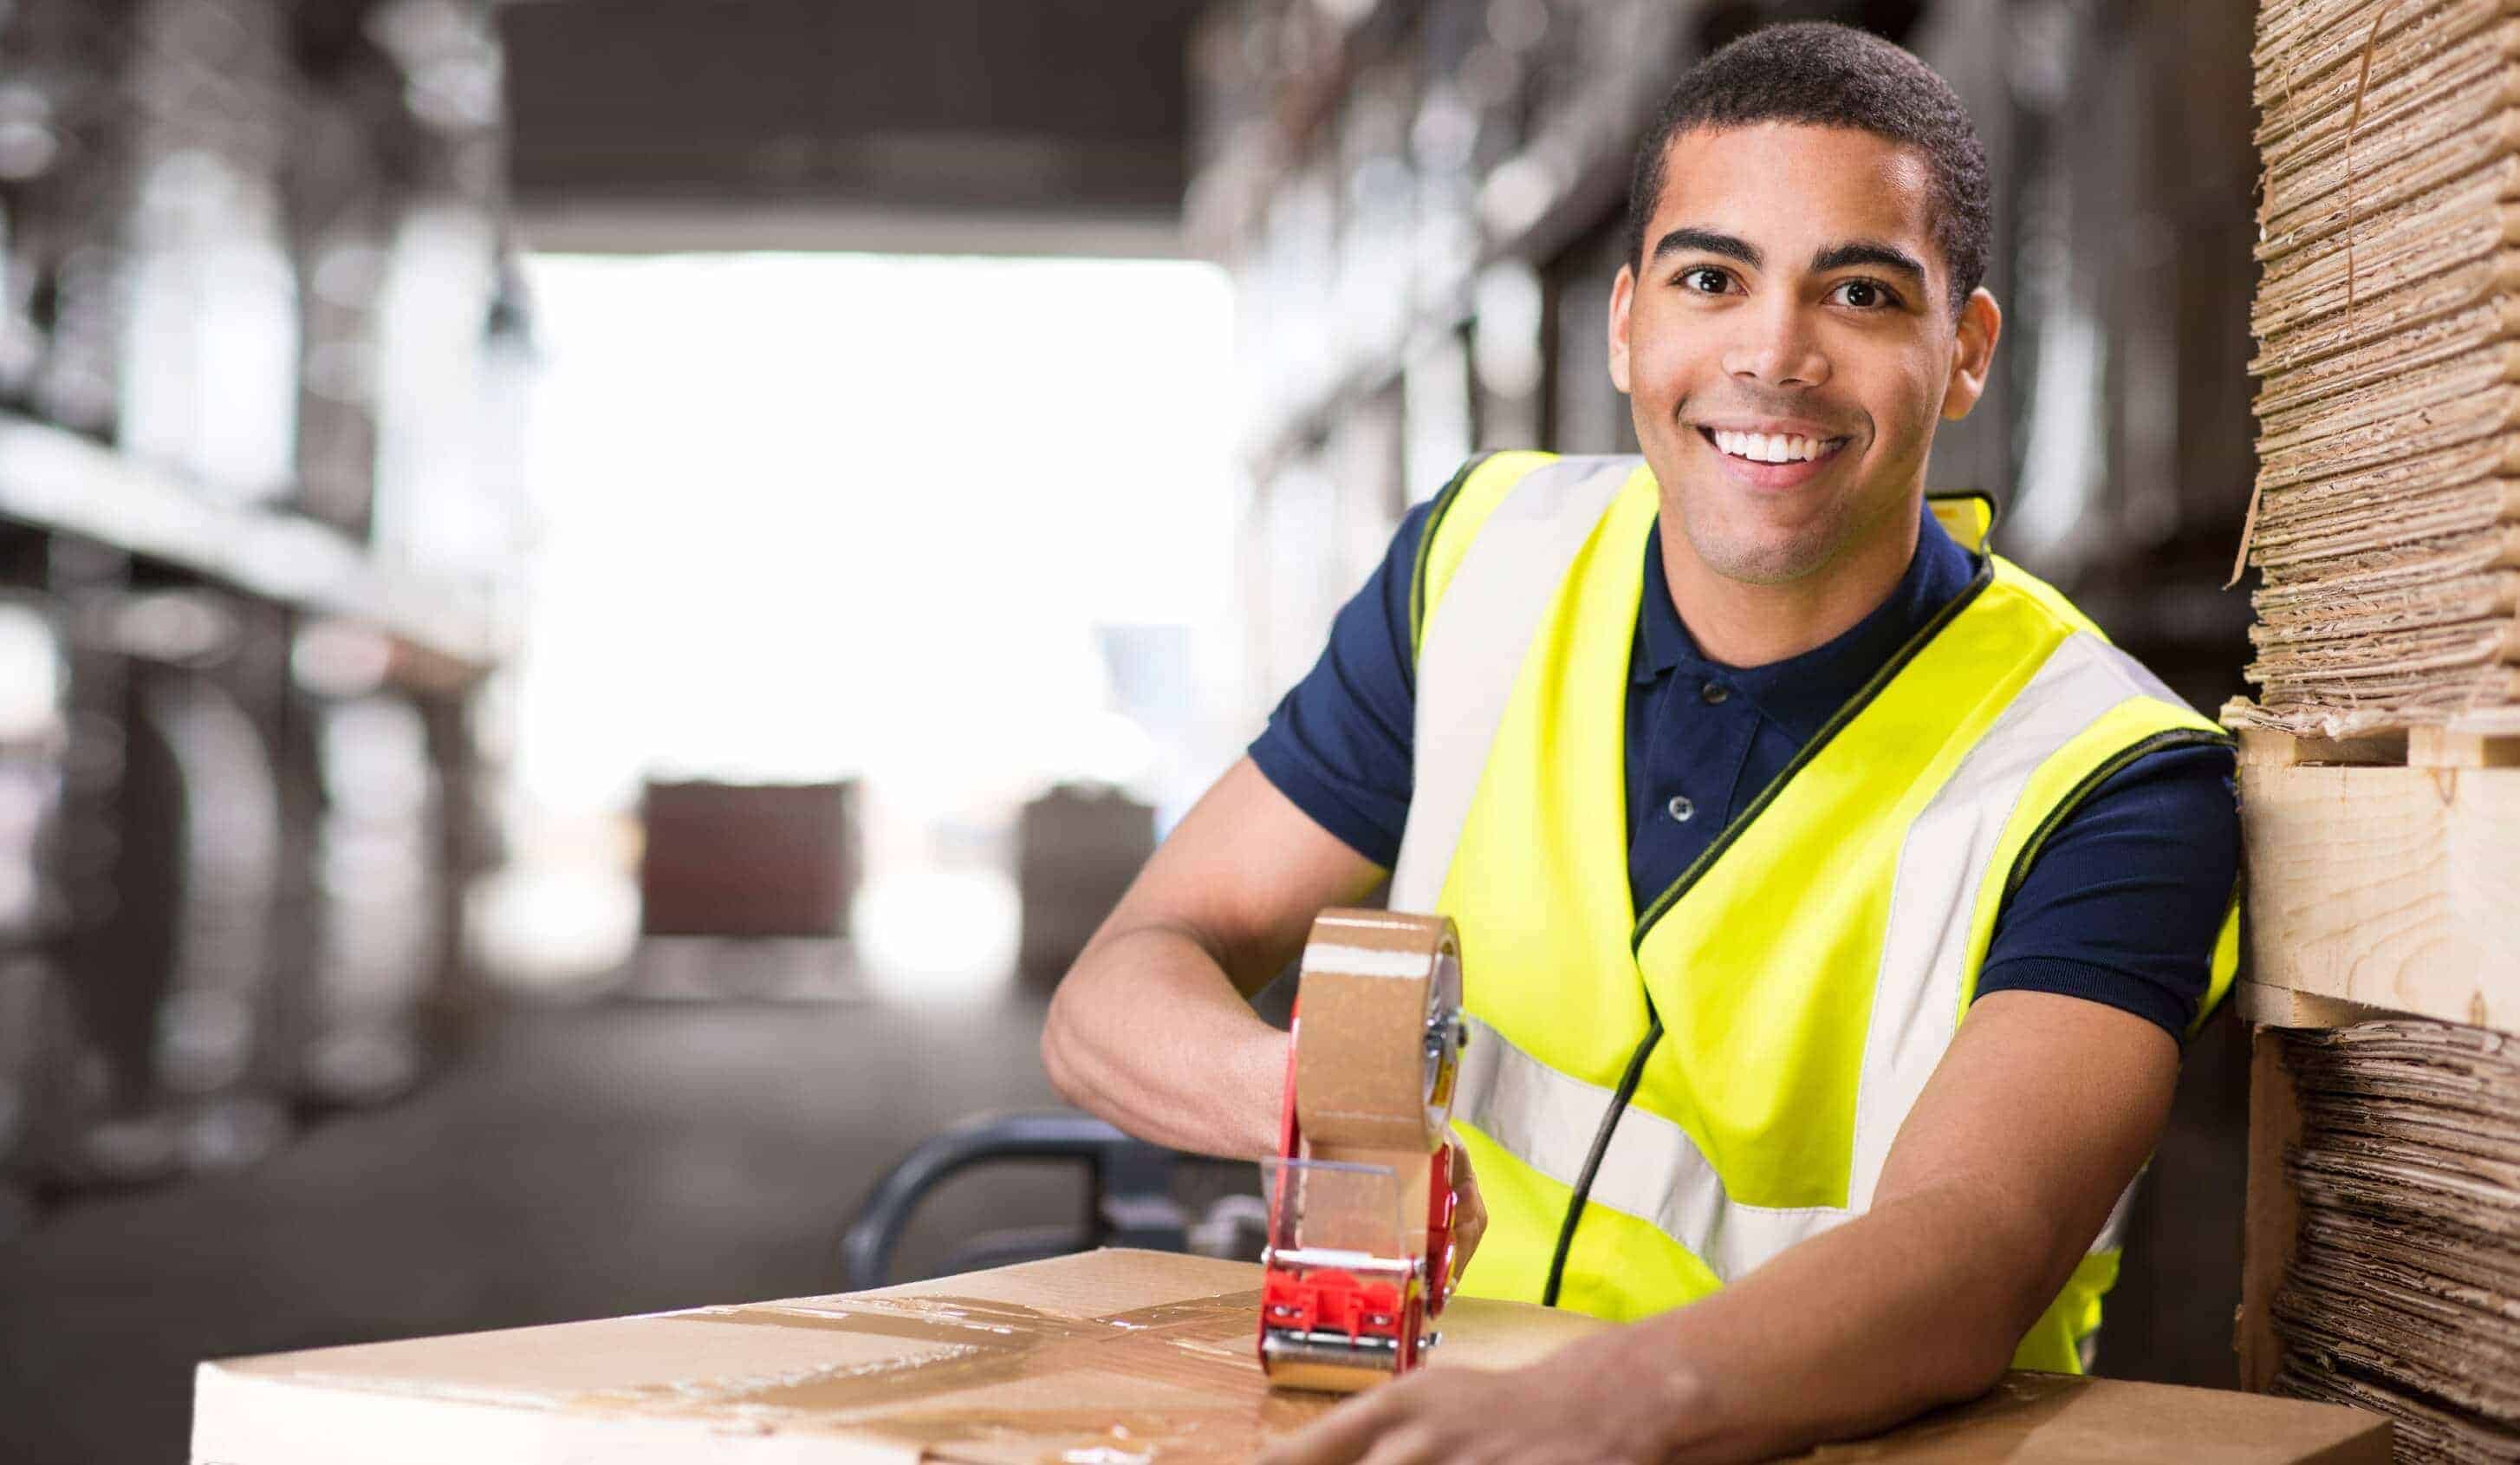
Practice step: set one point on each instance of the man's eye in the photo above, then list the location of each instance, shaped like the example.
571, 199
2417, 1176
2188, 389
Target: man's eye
1704, 279
1864, 295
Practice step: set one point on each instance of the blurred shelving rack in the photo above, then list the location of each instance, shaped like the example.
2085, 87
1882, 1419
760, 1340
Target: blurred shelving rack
259, 543
59, 482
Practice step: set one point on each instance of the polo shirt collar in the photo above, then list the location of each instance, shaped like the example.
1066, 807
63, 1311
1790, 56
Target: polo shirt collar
1801, 693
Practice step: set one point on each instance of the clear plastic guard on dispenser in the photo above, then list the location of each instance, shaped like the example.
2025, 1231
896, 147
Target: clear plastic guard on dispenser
1334, 1213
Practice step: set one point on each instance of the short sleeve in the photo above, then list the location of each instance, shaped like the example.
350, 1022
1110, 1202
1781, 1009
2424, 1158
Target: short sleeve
1340, 744
2123, 905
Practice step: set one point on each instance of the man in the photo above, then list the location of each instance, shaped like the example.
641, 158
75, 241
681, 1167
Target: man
1833, 898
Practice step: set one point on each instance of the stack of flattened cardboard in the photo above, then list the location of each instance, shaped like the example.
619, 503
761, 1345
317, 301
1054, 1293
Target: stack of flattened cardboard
2387, 315
2404, 1291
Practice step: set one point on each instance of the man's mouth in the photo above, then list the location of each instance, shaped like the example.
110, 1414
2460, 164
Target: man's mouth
1770, 447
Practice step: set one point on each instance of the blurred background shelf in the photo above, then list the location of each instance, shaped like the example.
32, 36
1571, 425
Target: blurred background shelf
58, 482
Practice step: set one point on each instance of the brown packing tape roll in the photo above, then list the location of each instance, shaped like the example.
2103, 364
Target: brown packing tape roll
1369, 984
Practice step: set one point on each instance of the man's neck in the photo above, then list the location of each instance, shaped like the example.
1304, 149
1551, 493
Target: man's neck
1738, 623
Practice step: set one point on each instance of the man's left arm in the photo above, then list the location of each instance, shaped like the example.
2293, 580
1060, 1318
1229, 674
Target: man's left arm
2037, 1117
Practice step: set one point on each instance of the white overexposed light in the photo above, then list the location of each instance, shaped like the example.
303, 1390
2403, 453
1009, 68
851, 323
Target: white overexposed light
813, 517
817, 514
936, 936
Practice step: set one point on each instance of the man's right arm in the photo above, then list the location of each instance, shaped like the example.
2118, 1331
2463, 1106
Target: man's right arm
1152, 1029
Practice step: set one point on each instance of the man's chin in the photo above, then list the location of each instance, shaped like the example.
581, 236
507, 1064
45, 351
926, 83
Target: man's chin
1765, 564
1765, 555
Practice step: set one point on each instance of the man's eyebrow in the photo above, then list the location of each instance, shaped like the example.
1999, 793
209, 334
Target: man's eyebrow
1871, 251
1710, 242
1868, 251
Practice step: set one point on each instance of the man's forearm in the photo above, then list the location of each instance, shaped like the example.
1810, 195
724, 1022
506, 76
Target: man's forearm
1148, 1033
1918, 1302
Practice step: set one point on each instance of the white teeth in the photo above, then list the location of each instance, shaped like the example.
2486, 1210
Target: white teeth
1769, 447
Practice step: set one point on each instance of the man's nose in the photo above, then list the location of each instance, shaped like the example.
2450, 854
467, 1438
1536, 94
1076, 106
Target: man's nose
1776, 345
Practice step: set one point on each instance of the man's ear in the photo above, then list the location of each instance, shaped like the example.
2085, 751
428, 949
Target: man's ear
1981, 322
1623, 292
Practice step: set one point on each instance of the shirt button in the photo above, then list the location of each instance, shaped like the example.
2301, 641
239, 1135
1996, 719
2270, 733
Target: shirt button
1714, 693
1680, 808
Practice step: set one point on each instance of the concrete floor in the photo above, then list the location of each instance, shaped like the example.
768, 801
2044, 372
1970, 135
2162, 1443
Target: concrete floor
572, 1163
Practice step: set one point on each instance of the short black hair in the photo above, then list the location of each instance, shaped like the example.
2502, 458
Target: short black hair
1831, 75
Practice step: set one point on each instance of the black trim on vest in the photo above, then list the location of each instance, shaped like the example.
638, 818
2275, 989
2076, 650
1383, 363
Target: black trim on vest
1600, 1146
1698, 869
2172, 737
1425, 551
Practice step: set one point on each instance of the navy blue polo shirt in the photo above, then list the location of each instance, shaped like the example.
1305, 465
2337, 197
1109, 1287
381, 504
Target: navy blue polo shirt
2121, 905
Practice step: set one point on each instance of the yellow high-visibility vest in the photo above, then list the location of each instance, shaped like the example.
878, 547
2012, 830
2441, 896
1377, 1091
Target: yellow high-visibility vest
1755, 1036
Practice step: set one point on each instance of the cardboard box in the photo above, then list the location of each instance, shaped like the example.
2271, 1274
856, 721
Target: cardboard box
1110, 1358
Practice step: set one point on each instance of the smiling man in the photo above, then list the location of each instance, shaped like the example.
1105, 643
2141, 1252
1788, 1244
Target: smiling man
1833, 896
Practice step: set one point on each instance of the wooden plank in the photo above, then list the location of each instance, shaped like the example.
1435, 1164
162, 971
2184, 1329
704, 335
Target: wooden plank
2270, 1221
2264, 747
2450, 748
2394, 888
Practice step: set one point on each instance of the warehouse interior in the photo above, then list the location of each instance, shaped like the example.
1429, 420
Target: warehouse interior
596, 596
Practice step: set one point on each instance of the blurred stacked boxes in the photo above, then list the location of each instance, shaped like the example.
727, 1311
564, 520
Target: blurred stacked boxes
2388, 322
258, 342
1077, 847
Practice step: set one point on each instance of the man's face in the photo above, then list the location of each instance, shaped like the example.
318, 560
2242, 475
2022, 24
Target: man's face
1788, 344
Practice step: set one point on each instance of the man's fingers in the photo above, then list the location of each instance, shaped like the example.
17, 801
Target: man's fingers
1470, 1211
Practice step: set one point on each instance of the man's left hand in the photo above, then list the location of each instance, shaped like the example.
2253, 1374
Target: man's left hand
1594, 1401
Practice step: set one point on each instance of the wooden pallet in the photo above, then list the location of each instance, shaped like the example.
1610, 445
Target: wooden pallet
2382, 879
2382, 872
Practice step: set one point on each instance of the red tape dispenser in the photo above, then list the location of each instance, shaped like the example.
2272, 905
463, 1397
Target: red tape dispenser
1360, 1251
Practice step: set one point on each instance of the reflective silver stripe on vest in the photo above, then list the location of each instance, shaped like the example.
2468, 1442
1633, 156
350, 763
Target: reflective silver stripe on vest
1653, 1170
1946, 856
1473, 649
